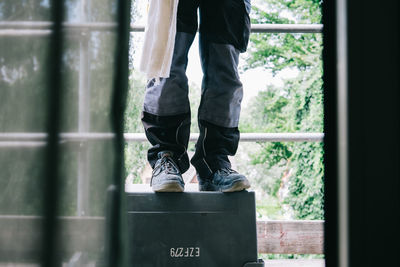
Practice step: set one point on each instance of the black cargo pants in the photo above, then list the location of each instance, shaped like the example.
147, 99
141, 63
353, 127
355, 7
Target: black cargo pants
224, 33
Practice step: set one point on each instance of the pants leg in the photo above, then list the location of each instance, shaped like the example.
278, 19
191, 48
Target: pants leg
166, 108
168, 133
214, 145
170, 96
224, 33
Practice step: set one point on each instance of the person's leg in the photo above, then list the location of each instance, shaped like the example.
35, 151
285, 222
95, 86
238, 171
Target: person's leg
214, 145
168, 133
224, 32
166, 109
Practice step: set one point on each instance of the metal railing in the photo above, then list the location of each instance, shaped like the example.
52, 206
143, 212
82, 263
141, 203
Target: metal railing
140, 137
33, 140
43, 28
39, 139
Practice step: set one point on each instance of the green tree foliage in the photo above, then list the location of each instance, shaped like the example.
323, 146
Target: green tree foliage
296, 107
135, 153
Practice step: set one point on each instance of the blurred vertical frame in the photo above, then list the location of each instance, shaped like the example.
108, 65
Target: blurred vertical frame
116, 242
329, 54
54, 82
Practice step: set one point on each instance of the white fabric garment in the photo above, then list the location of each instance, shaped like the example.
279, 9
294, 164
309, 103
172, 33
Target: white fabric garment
159, 39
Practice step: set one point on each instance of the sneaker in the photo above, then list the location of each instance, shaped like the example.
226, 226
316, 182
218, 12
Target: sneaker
166, 176
224, 180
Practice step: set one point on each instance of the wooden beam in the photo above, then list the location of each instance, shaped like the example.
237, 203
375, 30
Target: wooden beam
290, 237
20, 236
268, 263
295, 263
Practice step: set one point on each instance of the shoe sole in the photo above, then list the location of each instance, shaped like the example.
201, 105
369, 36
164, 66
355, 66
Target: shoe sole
168, 187
238, 186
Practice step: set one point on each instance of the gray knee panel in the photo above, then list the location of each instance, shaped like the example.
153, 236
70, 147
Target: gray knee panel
170, 96
222, 91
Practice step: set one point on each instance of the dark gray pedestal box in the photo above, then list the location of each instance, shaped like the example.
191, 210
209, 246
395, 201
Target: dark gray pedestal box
206, 229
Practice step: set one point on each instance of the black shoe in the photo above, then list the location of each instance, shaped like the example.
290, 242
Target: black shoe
166, 176
224, 180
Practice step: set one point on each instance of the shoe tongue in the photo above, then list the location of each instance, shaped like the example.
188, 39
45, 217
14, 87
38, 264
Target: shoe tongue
226, 170
165, 154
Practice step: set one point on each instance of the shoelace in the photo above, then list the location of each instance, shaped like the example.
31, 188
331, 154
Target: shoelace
227, 171
167, 165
